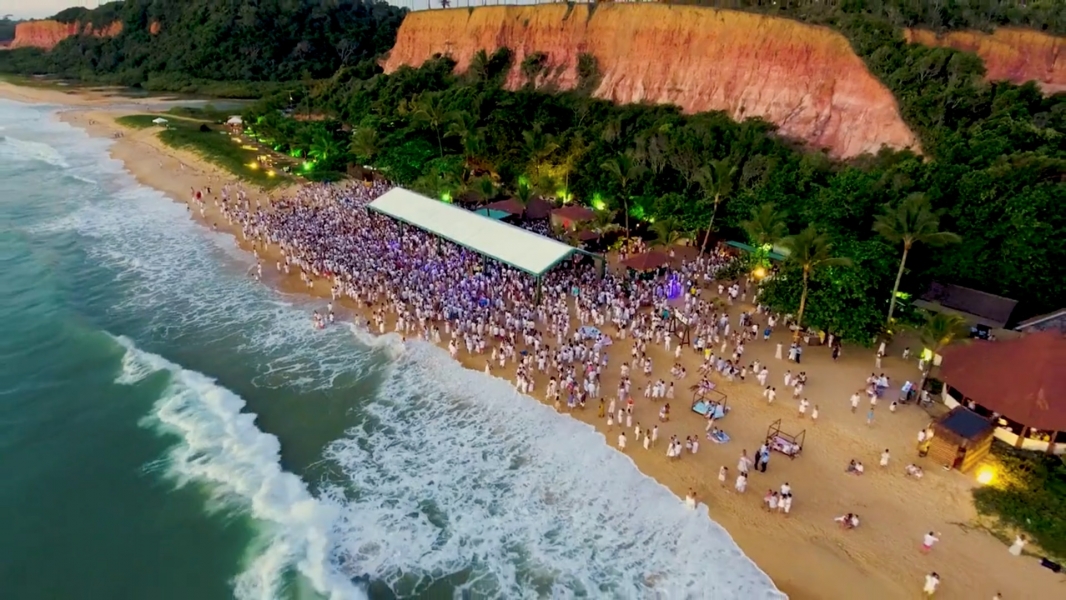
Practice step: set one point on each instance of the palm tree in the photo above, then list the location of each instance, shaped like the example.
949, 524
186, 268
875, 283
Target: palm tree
939, 331
577, 150
716, 181
471, 137
912, 222
485, 188
603, 223
365, 143
625, 170
430, 112
766, 226
811, 251
479, 65
523, 194
323, 148
539, 146
666, 232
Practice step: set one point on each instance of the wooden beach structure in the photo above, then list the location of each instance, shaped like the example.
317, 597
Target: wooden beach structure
961, 439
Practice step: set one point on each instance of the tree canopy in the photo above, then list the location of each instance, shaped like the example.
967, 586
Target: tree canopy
237, 40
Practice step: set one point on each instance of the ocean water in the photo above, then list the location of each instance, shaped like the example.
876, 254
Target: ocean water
171, 429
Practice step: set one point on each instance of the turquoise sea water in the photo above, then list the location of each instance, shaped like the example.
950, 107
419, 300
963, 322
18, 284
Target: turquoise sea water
171, 429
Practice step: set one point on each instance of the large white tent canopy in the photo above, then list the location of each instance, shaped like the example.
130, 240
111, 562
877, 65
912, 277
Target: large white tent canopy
506, 243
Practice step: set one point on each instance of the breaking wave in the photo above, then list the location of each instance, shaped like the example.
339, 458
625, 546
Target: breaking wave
220, 446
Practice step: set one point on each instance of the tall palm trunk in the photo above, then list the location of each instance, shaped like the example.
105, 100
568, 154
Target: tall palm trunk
625, 207
895, 287
440, 144
803, 306
710, 226
928, 370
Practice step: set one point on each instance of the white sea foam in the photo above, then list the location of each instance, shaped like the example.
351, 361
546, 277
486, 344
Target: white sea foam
186, 278
134, 366
15, 149
83, 179
453, 471
221, 446
456, 471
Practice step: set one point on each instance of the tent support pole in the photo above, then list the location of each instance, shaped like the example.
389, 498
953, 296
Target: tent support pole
537, 300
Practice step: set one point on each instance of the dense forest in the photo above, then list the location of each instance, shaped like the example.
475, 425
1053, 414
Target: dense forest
993, 170
208, 40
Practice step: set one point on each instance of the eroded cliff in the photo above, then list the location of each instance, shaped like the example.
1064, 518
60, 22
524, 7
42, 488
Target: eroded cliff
46, 34
805, 79
1014, 55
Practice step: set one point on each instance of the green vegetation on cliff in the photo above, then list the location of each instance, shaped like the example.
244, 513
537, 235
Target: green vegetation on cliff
246, 41
993, 170
1044, 15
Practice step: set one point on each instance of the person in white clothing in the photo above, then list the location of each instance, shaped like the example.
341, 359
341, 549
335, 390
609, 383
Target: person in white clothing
690, 500
928, 541
622, 441
884, 458
1019, 543
932, 580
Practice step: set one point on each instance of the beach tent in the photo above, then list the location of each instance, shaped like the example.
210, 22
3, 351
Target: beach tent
493, 214
648, 261
235, 120
159, 121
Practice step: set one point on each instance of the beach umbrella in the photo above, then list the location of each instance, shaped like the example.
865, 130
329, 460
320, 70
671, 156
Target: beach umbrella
159, 121
235, 120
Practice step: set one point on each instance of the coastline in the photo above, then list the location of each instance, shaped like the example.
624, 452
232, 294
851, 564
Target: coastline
805, 555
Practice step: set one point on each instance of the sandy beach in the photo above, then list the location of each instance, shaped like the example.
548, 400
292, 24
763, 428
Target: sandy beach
806, 554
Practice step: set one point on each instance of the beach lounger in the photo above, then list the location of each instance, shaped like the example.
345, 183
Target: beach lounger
701, 407
718, 437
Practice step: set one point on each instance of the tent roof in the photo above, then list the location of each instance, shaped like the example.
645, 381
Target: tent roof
646, 261
519, 248
977, 306
1023, 379
537, 208
574, 212
492, 213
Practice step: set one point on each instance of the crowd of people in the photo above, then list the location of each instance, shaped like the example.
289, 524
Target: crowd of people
413, 284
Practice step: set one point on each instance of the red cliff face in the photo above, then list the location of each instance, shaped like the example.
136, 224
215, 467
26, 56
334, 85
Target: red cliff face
46, 34
1014, 55
805, 79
